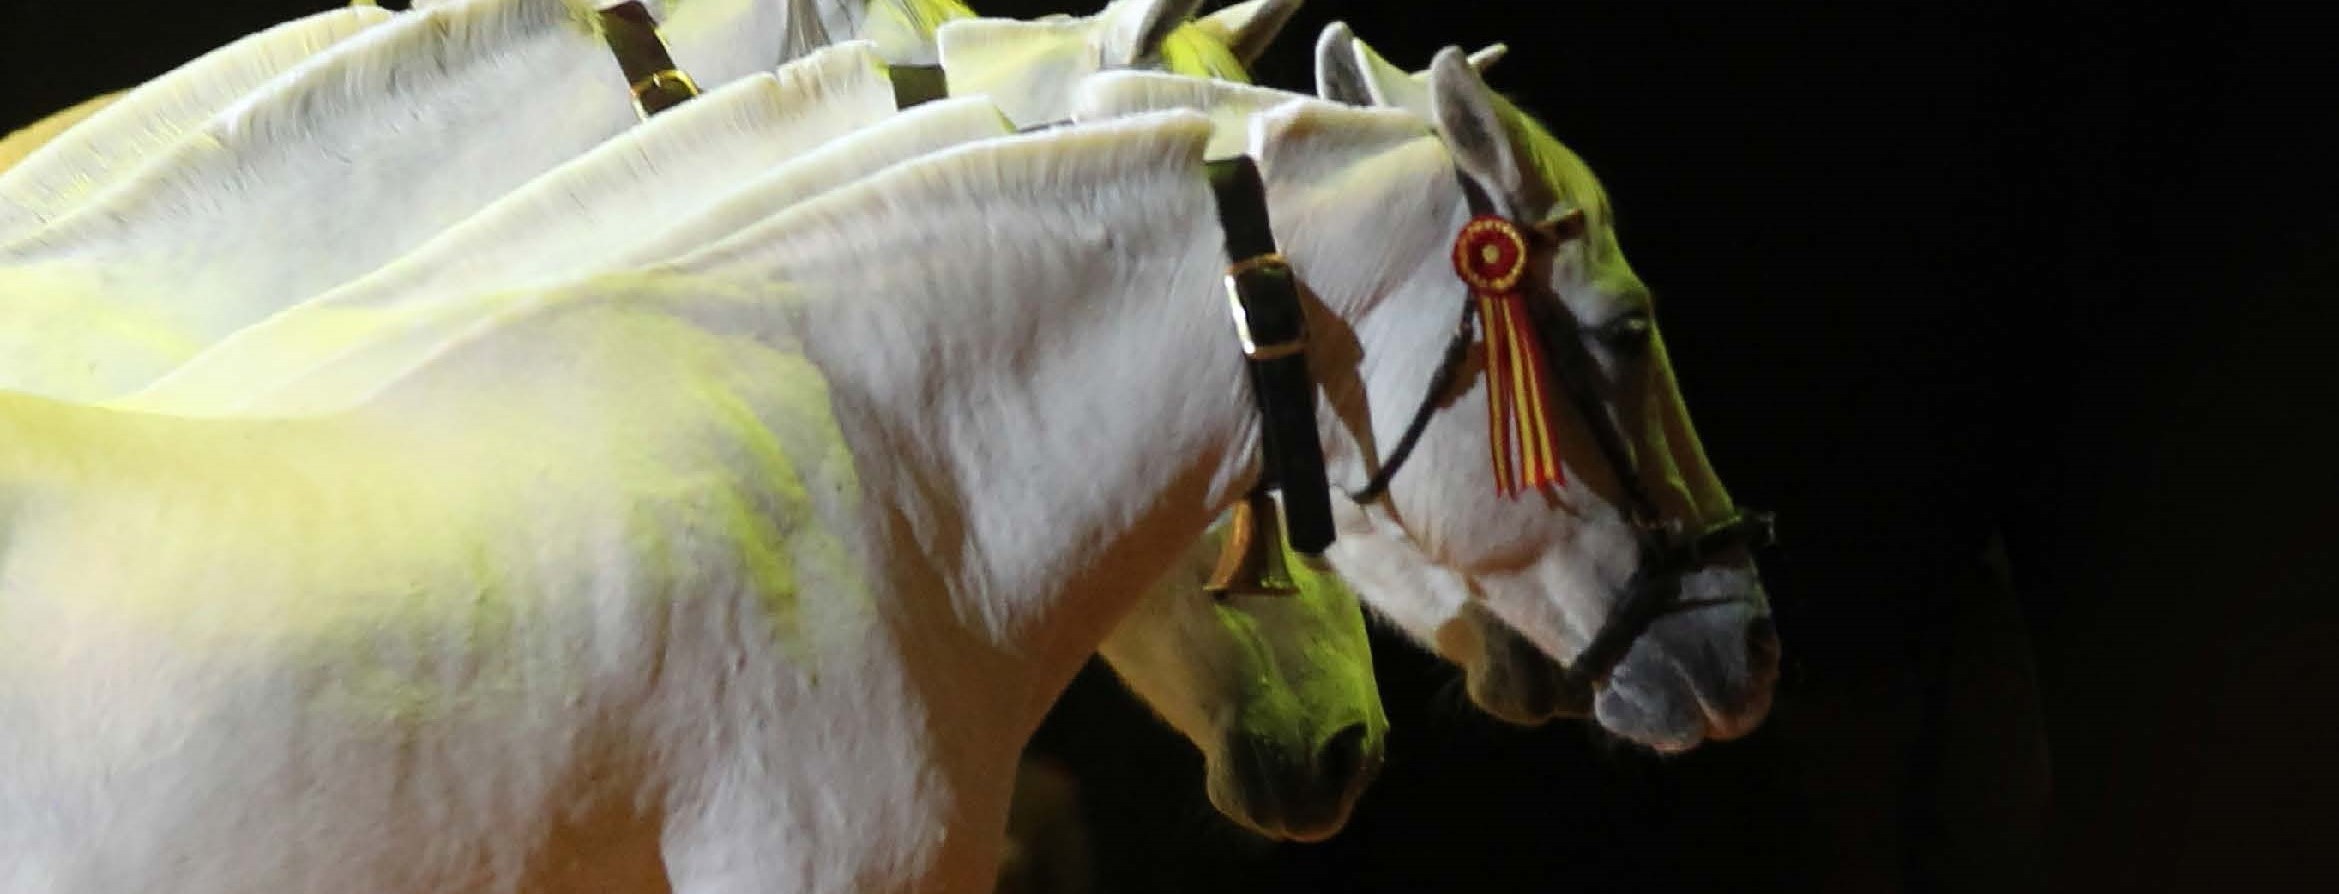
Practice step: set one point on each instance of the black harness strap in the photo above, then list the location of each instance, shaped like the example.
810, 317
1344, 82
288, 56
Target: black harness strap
917, 84
1440, 382
633, 38
1264, 298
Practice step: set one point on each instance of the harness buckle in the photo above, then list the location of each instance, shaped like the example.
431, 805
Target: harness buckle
1273, 263
662, 90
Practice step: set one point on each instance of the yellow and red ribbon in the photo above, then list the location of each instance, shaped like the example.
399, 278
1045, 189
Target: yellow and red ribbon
1490, 255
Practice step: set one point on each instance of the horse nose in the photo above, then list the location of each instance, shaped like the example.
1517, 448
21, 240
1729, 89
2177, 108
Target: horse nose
1348, 756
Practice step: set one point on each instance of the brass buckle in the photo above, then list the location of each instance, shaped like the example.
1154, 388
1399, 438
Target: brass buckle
1242, 320
662, 80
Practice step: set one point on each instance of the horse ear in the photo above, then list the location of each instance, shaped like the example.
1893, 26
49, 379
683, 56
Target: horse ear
1135, 32
1248, 28
1487, 57
1463, 107
1338, 78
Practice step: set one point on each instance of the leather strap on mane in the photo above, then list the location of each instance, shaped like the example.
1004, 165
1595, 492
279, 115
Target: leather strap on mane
1273, 326
633, 38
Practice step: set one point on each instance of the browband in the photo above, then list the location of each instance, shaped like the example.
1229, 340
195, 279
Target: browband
1264, 298
633, 38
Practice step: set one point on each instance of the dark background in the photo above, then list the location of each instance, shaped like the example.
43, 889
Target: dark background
2018, 315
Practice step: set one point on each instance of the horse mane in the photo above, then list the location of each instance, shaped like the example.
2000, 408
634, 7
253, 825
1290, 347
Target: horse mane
1189, 50
846, 76
1193, 52
396, 61
1057, 173
1571, 179
428, 330
929, 127
1346, 154
30, 138
400, 59
922, 15
148, 117
1115, 94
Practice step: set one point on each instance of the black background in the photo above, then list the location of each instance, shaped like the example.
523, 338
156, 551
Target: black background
2016, 313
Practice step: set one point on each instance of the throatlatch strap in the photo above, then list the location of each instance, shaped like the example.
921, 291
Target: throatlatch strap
633, 38
1268, 317
917, 84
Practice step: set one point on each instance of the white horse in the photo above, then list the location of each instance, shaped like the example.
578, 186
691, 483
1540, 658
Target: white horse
1432, 604
1673, 687
1503, 673
1278, 694
548, 240
1277, 784
828, 526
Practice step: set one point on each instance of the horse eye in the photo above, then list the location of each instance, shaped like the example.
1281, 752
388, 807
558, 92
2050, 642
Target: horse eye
1627, 334
1562, 227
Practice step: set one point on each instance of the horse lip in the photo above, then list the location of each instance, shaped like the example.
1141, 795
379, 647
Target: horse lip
1282, 801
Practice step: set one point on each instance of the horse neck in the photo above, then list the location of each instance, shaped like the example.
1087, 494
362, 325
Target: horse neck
1037, 377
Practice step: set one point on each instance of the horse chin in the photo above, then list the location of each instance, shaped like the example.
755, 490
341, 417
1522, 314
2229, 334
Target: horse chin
1697, 676
1517, 684
1264, 817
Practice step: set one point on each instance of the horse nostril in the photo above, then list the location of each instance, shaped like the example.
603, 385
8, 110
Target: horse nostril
1344, 755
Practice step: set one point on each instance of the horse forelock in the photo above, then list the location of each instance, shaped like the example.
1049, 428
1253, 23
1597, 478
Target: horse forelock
1563, 171
1194, 52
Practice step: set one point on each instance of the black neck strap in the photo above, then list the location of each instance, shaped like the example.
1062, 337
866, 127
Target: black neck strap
1264, 299
633, 38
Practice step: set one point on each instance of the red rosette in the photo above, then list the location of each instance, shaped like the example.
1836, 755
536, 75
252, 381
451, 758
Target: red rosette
1490, 255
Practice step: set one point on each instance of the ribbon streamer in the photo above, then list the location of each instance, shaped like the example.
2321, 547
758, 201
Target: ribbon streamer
1490, 255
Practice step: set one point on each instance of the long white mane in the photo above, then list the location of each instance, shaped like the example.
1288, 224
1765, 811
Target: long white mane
639, 183
150, 117
324, 354
427, 84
